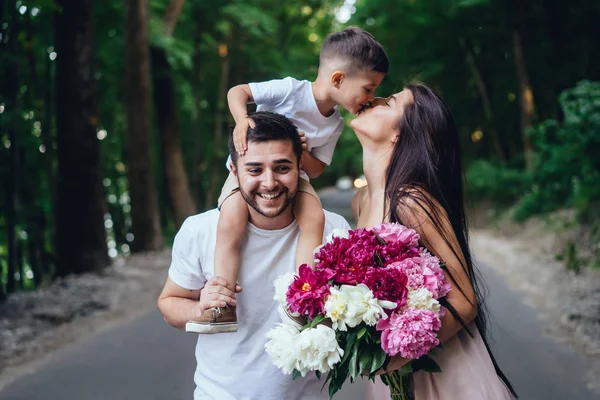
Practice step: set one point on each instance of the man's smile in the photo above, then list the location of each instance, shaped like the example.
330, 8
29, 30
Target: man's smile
270, 196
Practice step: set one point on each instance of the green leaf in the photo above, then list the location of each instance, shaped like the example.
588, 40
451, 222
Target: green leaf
378, 259
318, 319
353, 368
406, 369
378, 360
333, 389
365, 361
362, 332
426, 363
318, 374
348, 348
296, 374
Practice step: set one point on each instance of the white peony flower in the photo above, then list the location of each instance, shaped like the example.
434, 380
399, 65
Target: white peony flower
282, 283
364, 307
317, 349
335, 308
280, 347
341, 233
422, 299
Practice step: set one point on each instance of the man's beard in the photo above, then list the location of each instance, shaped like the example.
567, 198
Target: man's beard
250, 198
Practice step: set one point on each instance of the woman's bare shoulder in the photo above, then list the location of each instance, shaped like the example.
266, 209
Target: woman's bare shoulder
417, 206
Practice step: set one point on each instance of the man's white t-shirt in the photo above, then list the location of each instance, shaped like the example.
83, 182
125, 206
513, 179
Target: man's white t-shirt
295, 100
235, 366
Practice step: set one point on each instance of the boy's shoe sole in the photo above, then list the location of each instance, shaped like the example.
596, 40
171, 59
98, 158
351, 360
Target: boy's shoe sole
196, 327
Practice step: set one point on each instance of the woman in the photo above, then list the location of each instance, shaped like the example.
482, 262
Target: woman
411, 161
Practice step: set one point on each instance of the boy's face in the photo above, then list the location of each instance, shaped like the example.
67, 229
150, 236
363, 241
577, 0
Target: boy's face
354, 92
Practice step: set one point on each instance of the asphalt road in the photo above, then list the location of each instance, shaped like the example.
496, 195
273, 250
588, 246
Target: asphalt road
146, 359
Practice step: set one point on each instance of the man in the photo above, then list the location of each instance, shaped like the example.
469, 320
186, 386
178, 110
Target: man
235, 366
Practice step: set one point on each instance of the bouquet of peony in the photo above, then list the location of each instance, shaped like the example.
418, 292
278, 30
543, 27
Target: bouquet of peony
373, 294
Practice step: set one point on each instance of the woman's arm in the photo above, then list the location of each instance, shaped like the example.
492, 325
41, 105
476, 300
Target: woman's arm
462, 295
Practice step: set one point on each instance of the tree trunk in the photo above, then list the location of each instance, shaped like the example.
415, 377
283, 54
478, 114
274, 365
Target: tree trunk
171, 16
516, 23
144, 204
196, 83
11, 98
81, 203
180, 198
482, 90
526, 98
181, 202
217, 164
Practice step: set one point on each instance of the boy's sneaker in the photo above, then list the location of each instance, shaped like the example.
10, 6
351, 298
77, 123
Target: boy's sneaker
214, 320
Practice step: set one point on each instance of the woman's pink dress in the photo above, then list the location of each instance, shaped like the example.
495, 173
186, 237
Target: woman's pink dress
467, 374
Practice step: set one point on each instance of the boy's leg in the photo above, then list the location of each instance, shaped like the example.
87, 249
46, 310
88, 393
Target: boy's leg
231, 229
311, 222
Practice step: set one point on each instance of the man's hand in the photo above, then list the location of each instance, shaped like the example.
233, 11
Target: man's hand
239, 135
217, 293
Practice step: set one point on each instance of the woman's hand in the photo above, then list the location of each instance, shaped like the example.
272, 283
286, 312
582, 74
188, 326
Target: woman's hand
395, 364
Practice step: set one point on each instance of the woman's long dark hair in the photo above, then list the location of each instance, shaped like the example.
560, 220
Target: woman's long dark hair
425, 171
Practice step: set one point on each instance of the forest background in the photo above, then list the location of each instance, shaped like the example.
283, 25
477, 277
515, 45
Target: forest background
114, 122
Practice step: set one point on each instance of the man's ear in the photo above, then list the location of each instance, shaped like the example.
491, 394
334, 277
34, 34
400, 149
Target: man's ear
337, 78
233, 168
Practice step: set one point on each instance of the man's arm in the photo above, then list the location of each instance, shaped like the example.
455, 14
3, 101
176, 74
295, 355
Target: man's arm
179, 305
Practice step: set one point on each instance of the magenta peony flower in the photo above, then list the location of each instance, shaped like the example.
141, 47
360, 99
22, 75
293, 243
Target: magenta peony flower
392, 232
388, 284
411, 333
309, 290
349, 258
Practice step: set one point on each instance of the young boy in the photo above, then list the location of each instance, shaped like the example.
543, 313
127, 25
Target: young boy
352, 64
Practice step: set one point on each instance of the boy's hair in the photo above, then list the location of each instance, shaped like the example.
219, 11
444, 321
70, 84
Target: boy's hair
269, 126
356, 49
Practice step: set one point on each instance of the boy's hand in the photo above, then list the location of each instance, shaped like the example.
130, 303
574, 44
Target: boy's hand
239, 135
217, 293
303, 140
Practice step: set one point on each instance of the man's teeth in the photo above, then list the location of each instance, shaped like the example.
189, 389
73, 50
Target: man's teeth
269, 196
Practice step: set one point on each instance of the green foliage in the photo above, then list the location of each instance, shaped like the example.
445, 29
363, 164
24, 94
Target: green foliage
493, 181
427, 40
567, 167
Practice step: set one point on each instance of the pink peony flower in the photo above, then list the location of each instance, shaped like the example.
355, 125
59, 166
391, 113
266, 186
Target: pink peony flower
432, 263
411, 333
392, 232
309, 290
388, 284
424, 271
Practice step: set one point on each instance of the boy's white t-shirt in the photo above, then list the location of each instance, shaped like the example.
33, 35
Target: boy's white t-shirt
295, 100
235, 366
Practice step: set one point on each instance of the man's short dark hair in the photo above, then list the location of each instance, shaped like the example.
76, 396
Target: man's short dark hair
268, 127
358, 47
